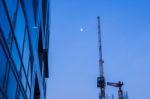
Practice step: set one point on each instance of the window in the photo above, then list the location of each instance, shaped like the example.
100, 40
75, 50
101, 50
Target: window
45, 89
4, 24
40, 50
35, 8
3, 60
45, 52
47, 28
44, 10
19, 94
26, 52
23, 78
11, 85
15, 56
20, 27
36, 89
29, 73
1, 94
28, 92
43, 56
11, 8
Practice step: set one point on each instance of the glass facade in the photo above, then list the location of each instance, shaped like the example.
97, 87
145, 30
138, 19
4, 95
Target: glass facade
3, 60
11, 85
24, 40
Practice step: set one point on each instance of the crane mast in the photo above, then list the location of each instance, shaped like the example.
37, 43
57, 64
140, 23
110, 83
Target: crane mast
101, 78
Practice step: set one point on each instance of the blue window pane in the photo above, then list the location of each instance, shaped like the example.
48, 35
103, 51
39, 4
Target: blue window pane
29, 74
28, 92
35, 8
15, 56
21, 96
11, 7
20, 28
12, 86
4, 24
26, 53
2, 95
23, 79
3, 60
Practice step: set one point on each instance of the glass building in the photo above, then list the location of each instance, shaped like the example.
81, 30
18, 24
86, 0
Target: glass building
24, 40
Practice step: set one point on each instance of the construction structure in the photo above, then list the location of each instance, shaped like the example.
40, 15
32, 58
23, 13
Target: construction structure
101, 79
119, 85
101, 83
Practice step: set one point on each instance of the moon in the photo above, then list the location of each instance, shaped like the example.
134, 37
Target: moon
81, 29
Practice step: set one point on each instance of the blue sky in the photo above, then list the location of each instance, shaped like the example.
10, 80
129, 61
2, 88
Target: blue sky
125, 27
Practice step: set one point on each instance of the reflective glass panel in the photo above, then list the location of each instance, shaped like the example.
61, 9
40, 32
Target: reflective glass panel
35, 8
12, 85
4, 24
20, 95
20, 27
29, 74
3, 61
15, 56
23, 79
11, 7
26, 52
28, 92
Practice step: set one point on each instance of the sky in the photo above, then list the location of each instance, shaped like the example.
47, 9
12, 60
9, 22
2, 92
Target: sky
73, 54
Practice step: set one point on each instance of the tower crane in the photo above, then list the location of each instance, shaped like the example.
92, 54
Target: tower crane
119, 85
101, 79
